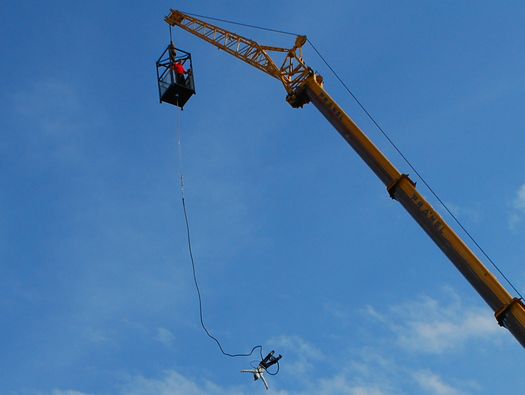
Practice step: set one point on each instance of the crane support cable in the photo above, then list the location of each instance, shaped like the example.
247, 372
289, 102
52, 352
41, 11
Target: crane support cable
414, 169
242, 24
190, 250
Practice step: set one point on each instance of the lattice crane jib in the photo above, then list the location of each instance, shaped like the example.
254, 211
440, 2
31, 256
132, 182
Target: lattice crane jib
292, 71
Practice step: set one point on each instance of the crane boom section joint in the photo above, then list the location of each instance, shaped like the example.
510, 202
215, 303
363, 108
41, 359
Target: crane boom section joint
501, 314
392, 187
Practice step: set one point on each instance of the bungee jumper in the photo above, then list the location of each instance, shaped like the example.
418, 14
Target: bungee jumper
258, 372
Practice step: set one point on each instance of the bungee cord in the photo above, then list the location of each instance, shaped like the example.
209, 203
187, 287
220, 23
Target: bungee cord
190, 250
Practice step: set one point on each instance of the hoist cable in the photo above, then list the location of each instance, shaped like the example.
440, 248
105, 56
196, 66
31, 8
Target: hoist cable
369, 115
190, 250
242, 24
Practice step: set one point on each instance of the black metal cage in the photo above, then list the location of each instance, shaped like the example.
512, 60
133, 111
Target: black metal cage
175, 76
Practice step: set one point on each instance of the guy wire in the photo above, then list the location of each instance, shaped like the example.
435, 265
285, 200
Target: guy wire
441, 202
242, 24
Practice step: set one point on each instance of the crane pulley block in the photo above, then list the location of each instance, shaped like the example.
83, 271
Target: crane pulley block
175, 76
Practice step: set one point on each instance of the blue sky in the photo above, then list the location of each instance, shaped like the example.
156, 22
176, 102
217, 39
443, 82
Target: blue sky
298, 246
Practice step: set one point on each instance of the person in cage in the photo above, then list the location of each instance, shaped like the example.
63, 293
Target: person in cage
179, 70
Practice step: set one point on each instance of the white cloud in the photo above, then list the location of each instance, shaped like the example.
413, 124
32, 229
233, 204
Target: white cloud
518, 208
428, 326
369, 374
472, 213
341, 385
165, 336
306, 353
434, 385
425, 325
173, 383
519, 201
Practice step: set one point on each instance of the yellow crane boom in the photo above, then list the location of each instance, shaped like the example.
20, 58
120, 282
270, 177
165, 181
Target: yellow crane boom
303, 85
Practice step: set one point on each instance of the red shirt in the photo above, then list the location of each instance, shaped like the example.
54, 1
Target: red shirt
179, 68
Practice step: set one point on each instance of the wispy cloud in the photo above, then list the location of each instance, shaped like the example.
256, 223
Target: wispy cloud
165, 336
429, 326
518, 208
433, 384
68, 392
341, 385
173, 383
519, 202
368, 374
470, 213
307, 354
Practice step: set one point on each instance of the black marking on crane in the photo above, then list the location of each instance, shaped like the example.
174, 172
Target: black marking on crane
334, 108
428, 212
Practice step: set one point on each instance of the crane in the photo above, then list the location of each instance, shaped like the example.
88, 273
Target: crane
303, 85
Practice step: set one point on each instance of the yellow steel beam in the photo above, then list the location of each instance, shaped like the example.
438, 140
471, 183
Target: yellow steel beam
509, 311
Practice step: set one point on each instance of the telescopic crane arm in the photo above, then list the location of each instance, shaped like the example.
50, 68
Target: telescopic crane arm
303, 85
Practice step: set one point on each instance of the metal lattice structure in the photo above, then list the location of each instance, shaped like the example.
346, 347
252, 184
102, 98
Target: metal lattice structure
292, 73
